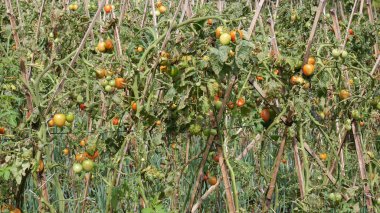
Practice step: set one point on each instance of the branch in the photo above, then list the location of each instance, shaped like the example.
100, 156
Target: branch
254, 20
12, 19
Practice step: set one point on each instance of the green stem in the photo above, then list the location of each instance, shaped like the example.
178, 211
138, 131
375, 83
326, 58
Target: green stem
304, 156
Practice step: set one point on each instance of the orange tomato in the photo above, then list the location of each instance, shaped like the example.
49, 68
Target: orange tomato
218, 31
115, 121
51, 123
2, 130
83, 142
134, 106
162, 9
107, 8
79, 157
212, 180
158, 4
344, 94
66, 151
233, 35
276, 72
311, 60
108, 44
209, 22
323, 156
308, 69
119, 83
41, 166
351, 32
240, 102
259, 78
158, 123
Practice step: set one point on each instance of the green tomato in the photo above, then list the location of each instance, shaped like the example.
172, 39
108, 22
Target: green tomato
213, 132
70, 117
338, 197
225, 38
336, 53
355, 114
112, 83
108, 78
218, 104
104, 83
332, 197
378, 201
68, 124
347, 127
174, 71
77, 168
108, 88
80, 99
344, 54
88, 165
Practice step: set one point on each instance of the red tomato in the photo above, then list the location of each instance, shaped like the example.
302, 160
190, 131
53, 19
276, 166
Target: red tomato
82, 106
308, 69
134, 106
2, 130
233, 35
265, 115
108, 44
240, 102
115, 121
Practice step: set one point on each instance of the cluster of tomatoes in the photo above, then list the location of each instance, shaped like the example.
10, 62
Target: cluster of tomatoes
160, 9
108, 82
85, 160
61, 120
224, 35
105, 46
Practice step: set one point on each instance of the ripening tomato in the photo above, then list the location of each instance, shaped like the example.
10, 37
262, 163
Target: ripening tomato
82, 106
225, 39
108, 44
209, 22
119, 83
101, 73
158, 4
216, 158
101, 46
296, 80
284, 161
351, 32
162, 9
88, 165
218, 31
79, 157
323, 156
66, 151
51, 123
276, 72
311, 60
2, 130
212, 180
77, 168
83, 142
205, 177
115, 121
158, 123
240, 102
59, 120
361, 123
233, 35
308, 69
230, 105
134, 106
107, 8
344, 94
218, 104
73, 7
259, 78
140, 49
265, 115
41, 166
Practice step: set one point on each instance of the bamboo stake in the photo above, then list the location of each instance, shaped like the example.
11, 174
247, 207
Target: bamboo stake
297, 162
249, 147
227, 185
375, 66
275, 171
205, 195
349, 24
87, 179
335, 24
362, 169
321, 6
251, 28
12, 19
372, 21
144, 15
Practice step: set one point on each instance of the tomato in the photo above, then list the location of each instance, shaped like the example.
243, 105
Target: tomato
157, 12
311, 60
158, 123
59, 120
240, 102
378, 201
216, 158
173, 145
205, 177
15, 210
344, 54
108, 44
73, 7
66, 151
140, 49
308, 69
70, 117
351, 32
218, 31
79, 157
213, 132
296, 80
276, 72
162, 9
82, 106
323, 156
108, 88
265, 115
218, 104
344, 94
134, 106
284, 161
41, 166
361, 123
230, 105
115, 121
83, 142
92, 157
51, 123
101, 46
174, 71
112, 83
225, 39
159, 4
336, 53
104, 82
209, 22
338, 197
332, 197
101, 73
231, 53
77, 168
88, 165
233, 35
259, 78
355, 114
163, 68
119, 83
107, 8
212, 180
